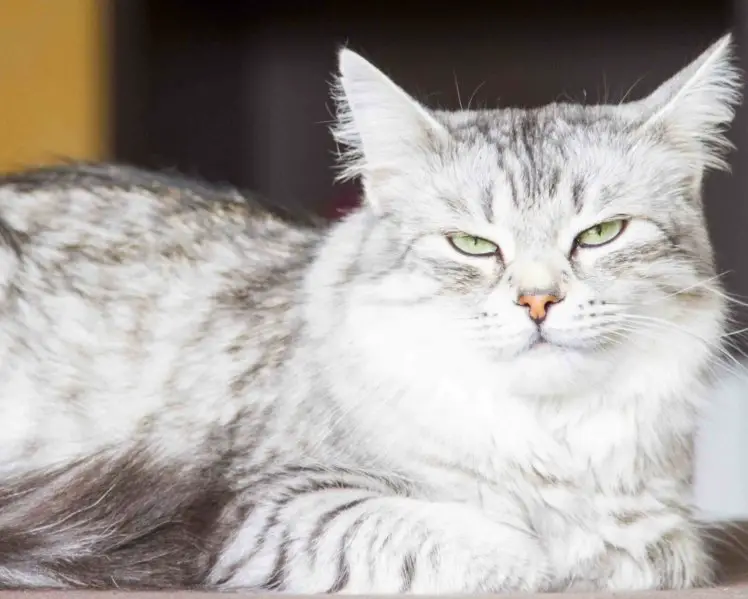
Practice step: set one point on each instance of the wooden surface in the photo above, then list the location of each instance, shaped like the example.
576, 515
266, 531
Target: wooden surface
53, 91
731, 552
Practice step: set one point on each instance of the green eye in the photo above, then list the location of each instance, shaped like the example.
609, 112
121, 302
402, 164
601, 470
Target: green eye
601, 233
471, 245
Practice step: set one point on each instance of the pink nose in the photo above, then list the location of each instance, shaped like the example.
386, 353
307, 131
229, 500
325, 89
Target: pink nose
538, 305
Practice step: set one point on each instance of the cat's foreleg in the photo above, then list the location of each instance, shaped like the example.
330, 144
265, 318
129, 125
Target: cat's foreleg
313, 538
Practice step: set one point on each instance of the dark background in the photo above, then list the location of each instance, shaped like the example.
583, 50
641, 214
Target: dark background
237, 91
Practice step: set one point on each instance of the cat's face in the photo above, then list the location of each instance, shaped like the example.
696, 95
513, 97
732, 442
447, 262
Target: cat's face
557, 241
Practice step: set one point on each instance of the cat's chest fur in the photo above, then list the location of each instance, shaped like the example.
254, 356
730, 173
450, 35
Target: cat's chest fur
459, 420
569, 478
531, 445
592, 460
437, 415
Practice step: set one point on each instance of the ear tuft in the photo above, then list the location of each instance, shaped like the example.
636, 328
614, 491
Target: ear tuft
377, 124
697, 105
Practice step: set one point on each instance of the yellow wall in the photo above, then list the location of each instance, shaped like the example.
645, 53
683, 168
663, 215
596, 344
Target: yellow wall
52, 81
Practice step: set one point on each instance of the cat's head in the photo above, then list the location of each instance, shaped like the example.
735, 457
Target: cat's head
557, 240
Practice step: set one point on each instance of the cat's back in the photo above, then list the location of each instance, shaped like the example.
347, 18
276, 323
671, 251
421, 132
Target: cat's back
124, 294
112, 233
134, 214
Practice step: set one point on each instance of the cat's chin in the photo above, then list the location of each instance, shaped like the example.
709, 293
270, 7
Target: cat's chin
547, 368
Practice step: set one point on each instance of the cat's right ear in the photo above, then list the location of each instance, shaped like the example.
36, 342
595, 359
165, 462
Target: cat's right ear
379, 126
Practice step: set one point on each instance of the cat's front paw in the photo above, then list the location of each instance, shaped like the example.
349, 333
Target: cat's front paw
491, 558
664, 552
678, 560
520, 566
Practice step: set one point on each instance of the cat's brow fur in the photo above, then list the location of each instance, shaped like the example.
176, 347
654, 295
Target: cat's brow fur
198, 392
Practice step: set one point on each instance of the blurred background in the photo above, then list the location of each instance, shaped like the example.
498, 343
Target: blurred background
236, 92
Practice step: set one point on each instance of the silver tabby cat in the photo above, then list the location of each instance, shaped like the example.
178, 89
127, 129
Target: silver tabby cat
487, 378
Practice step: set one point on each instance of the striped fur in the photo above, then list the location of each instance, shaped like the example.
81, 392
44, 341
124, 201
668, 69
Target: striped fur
197, 392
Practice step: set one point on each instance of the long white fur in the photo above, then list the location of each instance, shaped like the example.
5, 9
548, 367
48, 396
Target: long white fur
451, 456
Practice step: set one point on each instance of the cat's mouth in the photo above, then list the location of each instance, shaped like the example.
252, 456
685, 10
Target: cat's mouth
540, 343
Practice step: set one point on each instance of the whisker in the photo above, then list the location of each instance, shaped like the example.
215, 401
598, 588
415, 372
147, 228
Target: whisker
697, 285
630, 89
734, 333
457, 88
475, 91
664, 324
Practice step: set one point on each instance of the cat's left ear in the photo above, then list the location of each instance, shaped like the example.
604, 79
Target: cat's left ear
694, 107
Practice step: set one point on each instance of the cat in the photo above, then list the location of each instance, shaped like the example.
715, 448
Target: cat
486, 378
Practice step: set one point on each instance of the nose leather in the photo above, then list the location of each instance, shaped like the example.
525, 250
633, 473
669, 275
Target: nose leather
538, 305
